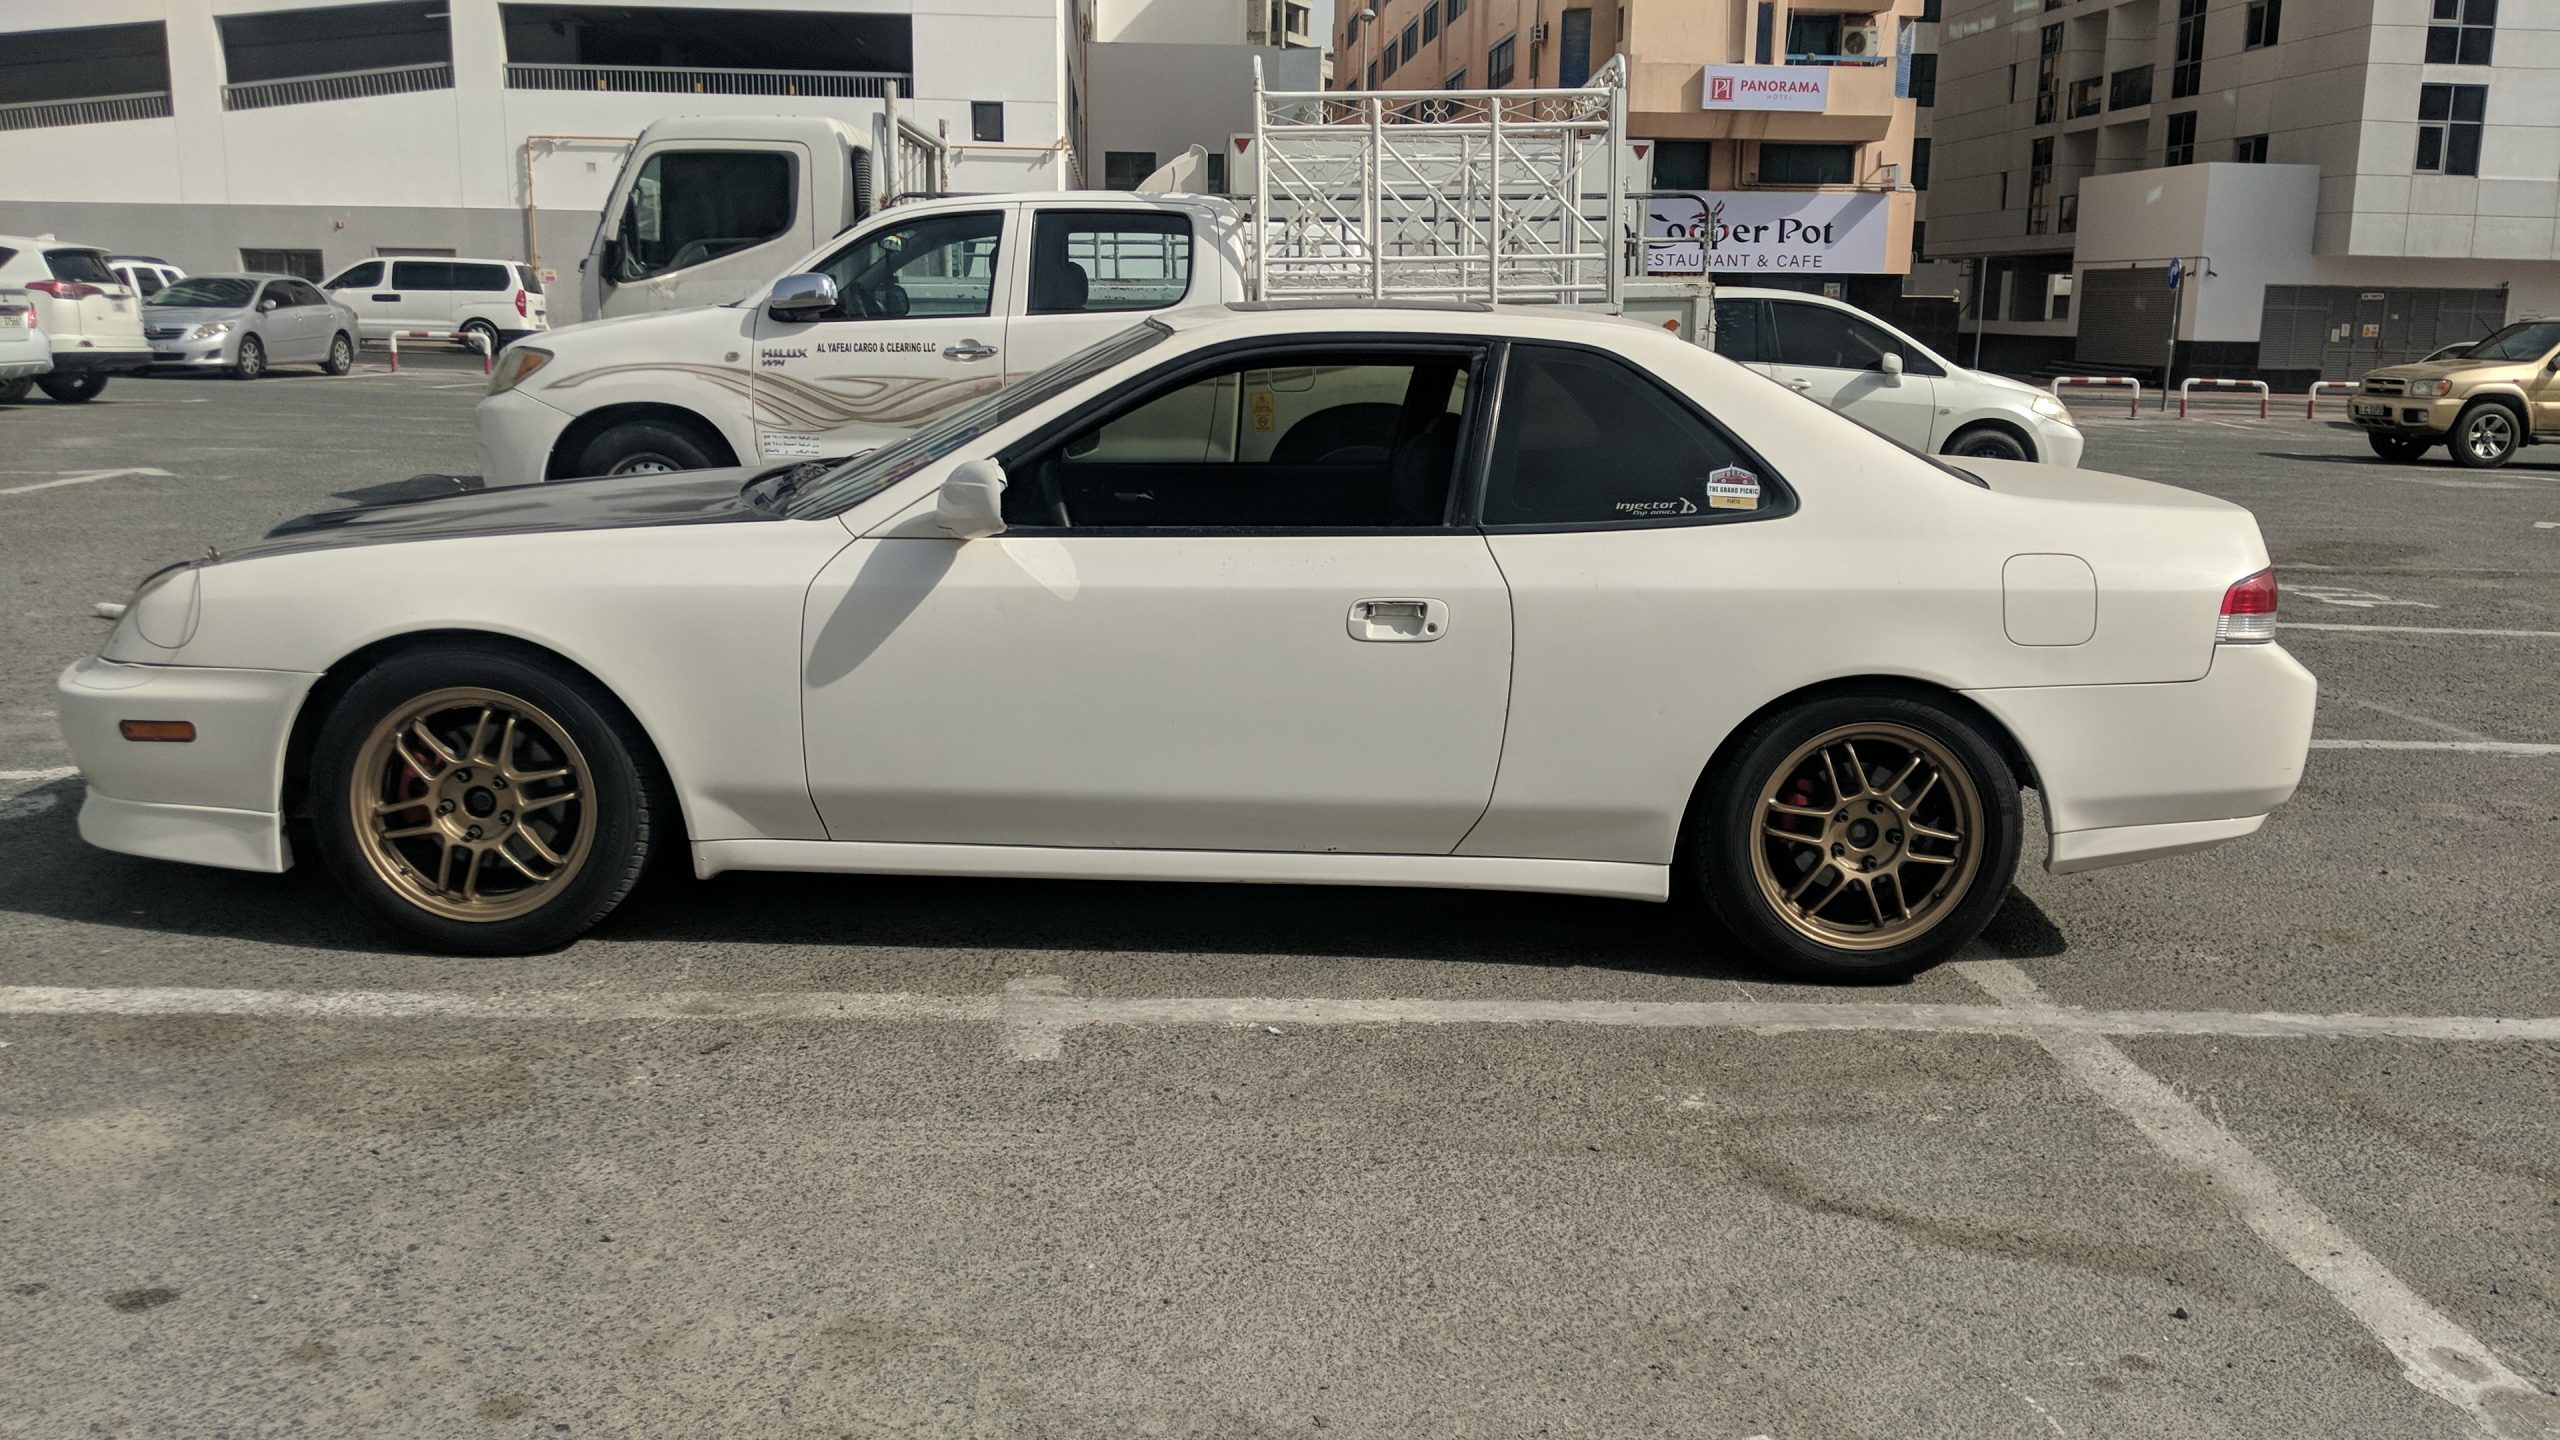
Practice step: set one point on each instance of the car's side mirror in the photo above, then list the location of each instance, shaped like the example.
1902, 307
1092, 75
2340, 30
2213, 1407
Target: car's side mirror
1892, 366
801, 297
268, 304
971, 503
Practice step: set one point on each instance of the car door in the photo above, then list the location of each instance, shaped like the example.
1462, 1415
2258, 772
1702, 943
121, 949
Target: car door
2544, 387
354, 288
916, 332
1092, 273
296, 322
1199, 633
420, 297
1828, 353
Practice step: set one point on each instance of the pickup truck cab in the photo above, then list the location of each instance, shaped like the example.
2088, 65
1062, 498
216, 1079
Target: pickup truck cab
927, 306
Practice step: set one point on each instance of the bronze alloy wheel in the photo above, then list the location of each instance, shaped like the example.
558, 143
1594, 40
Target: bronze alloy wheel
1868, 836
472, 804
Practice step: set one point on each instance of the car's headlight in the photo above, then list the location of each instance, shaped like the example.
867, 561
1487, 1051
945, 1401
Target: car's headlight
516, 364
162, 613
2052, 409
209, 329
2430, 387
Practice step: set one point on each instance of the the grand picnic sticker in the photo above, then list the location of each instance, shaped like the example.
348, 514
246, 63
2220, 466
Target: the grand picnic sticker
1733, 488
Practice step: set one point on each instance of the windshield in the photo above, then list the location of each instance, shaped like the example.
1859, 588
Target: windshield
226, 292
2529, 340
864, 476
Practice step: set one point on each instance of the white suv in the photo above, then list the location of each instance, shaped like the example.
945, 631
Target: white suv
1889, 382
94, 318
497, 300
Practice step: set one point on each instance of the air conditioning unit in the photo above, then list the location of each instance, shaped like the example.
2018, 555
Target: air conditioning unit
1860, 42
1538, 33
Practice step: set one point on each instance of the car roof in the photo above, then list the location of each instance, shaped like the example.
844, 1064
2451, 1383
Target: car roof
438, 259
1062, 199
46, 242
142, 260
241, 275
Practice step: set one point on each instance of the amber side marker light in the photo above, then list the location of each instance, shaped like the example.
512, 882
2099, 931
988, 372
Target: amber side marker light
180, 731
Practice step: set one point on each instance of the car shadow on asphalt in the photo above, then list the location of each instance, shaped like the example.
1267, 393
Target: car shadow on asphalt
2435, 462
46, 871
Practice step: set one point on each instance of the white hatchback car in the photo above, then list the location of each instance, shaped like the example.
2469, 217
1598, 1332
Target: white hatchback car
1889, 382
496, 300
1596, 613
92, 317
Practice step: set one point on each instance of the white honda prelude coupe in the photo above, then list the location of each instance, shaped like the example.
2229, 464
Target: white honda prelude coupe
1396, 595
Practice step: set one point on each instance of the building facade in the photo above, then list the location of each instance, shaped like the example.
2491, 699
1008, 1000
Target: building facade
1171, 74
1770, 110
2339, 184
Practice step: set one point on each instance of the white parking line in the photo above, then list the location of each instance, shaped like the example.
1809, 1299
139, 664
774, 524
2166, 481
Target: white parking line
2422, 630
36, 777
83, 477
2436, 1354
2459, 747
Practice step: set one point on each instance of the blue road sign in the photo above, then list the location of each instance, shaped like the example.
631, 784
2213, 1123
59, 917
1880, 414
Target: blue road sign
2177, 272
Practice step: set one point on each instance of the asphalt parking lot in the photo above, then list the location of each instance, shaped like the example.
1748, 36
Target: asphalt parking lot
2258, 1142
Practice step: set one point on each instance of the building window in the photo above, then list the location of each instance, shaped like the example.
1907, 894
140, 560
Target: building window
2069, 210
2004, 189
1924, 79
2450, 120
1498, 62
1123, 169
1812, 37
1431, 22
986, 121
1373, 74
1920, 163
305, 263
1387, 59
1412, 41
1217, 172
1456, 8
1794, 164
1457, 81
2249, 150
1680, 165
1764, 30
2265, 17
2048, 72
1573, 49
2182, 139
1919, 241
2039, 185
2187, 77
2462, 32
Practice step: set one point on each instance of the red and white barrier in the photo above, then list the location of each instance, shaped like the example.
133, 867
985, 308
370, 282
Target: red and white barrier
2184, 386
2342, 387
472, 338
2130, 410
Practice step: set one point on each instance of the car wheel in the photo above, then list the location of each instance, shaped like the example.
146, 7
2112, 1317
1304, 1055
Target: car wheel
2486, 435
13, 391
1987, 444
77, 388
251, 362
2398, 448
1858, 837
645, 447
478, 802
342, 356
487, 332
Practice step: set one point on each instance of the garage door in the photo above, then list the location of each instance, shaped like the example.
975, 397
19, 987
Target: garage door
2342, 331
2125, 317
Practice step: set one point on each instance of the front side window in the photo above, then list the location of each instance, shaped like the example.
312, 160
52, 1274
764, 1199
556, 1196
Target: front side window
2530, 340
1084, 263
2464, 32
1742, 331
1560, 407
1823, 338
303, 293
689, 206
359, 277
1288, 440
2451, 121
943, 265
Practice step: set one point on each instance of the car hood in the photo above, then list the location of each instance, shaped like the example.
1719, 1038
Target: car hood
694, 497
2446, 369
1997, 382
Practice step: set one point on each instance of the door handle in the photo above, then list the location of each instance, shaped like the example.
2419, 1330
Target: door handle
1398, 620
386, 297
1800, 386
967, 350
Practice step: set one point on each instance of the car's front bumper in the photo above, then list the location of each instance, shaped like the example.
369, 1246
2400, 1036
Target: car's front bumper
213, 354
517, 433
215, 800
2141, 772
2414, 417
2058, 443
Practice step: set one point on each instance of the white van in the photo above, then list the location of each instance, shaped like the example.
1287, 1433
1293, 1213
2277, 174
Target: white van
498, 300
94, 318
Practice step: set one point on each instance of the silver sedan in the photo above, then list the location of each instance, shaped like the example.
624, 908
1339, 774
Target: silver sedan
245, 323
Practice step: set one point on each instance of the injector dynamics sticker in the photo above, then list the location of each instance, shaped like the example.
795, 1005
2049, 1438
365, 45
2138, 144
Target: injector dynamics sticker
1733, 488
779, 445
1650, 509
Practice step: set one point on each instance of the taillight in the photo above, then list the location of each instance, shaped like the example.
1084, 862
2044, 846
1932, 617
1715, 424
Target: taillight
2248, 611
65, 289
520, 309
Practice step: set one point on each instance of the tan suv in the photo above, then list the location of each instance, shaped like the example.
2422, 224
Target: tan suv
2484, 403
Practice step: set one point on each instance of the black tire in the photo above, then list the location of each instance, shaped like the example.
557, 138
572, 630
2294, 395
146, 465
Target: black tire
251, 362
487, 332
13, 391
1725, 837
342, 355
1987, 442
2399, 449
639, 447
623, 800
77, 388
2486, 435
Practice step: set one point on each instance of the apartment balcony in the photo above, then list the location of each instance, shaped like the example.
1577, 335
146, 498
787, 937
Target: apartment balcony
1670, 97
98, 110
346, 85
673, 80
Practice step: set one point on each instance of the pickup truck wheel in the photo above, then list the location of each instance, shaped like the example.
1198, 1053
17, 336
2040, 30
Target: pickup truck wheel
2398, 448
644, 447
2486, 435
74, 389
1987, 443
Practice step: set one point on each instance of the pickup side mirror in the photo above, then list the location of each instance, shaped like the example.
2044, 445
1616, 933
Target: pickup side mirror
1892, 367
801, 297
971, 503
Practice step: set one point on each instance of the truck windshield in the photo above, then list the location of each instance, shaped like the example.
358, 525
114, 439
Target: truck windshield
2529, 340
864, 476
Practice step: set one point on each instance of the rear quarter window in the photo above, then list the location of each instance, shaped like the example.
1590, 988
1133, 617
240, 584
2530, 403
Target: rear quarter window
1669, 464
530, 279
89, 266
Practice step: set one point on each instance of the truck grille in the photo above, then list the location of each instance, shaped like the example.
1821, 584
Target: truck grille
2375, 385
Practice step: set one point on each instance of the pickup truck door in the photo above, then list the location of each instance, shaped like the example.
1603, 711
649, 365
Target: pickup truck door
1095, 271
917, 330
698, 222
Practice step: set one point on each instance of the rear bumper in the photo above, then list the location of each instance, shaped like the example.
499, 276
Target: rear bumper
2142, 772
213, 801
516, 436
20, 369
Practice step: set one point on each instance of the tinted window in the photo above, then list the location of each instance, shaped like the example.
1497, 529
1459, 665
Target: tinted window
483, 277
1828, 339
945, 265
1742, 331
364, 276
1087, 262
1561, 409
422, 275
2528, 341
87, 265
225, 292
689, 206
145, 280
529, 278
300, 292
